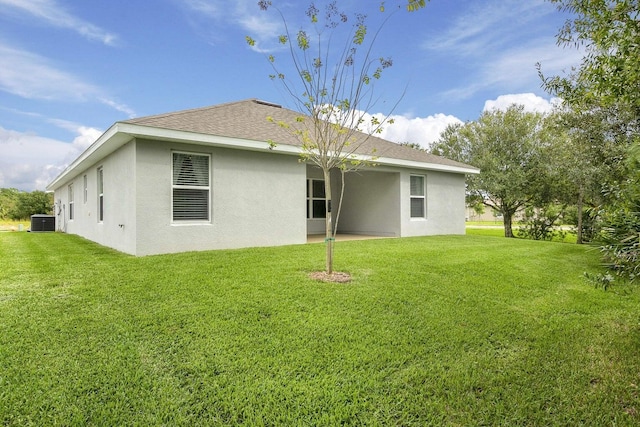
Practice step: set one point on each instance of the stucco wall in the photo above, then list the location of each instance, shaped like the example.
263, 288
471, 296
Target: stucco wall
258, 199
117, 230
445, 194
371, 203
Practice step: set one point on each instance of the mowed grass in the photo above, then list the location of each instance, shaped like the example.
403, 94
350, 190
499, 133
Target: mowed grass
448, 330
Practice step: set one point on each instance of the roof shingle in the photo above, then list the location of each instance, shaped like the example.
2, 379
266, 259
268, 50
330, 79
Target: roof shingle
248, 120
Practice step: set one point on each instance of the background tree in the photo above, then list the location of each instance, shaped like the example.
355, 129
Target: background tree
589, 156
507, 147
334, 74
609, 73
36, 202
609, 79
18, 205
8, 201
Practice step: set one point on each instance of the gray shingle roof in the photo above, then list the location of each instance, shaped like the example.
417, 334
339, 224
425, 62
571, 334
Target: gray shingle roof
248, 120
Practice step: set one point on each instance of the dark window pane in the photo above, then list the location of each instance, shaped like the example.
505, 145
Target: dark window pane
319, 208
318, 189
417, 208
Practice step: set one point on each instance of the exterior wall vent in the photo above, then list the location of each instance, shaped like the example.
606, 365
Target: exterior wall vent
43, 223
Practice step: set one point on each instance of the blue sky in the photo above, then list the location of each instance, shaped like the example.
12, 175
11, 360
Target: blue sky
69, 69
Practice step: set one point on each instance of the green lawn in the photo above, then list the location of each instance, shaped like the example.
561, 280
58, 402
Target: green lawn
450, 330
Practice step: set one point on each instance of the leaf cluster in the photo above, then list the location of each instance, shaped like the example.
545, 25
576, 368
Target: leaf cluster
609, 31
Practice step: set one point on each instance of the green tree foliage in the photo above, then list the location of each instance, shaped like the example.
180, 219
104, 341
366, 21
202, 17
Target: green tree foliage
590, 156
335, 71
608, 80
8, 201
620, 234
509, 148
18, 205
609, 31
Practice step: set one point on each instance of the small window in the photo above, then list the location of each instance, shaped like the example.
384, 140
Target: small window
191, 187
85, 190
71, 203
100, 195
316, 199
418, 199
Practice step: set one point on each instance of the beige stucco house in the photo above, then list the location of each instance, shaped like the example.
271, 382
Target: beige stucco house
210, 178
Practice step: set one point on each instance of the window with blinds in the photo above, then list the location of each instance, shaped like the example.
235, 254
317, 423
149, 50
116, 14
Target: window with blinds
418, 197
190, 187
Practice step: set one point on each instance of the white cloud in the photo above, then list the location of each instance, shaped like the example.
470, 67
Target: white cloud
29, 161
85, 135
530, 101
500, 43
123, 108
486, 26
52, 13
418, 130
515, 69
30, 76
263, 27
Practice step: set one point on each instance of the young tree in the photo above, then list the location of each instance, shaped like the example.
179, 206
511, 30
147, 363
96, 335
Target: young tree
332, 87
507, 147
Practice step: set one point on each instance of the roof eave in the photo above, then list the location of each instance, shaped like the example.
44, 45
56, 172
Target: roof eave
108, 142
412, 164
121, 133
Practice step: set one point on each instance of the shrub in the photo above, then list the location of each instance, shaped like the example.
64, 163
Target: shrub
542, 223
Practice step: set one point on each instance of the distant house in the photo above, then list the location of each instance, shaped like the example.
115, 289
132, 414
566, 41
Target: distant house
209, 178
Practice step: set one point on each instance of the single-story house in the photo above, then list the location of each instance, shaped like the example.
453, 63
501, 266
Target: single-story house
212, 178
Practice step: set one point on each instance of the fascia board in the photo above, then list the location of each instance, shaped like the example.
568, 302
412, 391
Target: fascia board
145, 132
411, 164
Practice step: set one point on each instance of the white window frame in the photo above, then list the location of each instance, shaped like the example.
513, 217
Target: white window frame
71, 203
85, 189
207, 188
100, 200
422, 197
311, 199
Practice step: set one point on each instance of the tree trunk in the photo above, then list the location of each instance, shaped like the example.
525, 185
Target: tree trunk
329, 239
507, 220
580, 208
